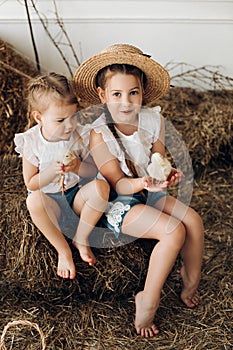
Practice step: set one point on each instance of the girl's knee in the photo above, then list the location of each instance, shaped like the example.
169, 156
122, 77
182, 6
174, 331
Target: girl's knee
194, 220
176, 236
102, 188
34, 201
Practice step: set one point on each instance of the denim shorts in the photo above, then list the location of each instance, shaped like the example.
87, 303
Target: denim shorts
68, 220
118, 207
67, 198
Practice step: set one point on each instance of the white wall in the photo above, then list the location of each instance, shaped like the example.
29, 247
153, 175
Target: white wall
195, 32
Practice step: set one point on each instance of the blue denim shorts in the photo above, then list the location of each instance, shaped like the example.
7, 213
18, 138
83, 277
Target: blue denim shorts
67, 198
68, 220
118, 207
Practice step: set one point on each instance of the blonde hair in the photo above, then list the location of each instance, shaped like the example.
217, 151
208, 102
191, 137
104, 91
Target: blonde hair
41, 90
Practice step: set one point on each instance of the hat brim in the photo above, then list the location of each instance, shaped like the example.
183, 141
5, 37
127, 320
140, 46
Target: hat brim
158, 80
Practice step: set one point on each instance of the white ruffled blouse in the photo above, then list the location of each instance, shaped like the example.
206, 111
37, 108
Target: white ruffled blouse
137, 145
39, 152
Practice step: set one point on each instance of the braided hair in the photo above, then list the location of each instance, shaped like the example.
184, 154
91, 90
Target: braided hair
111, 126
43, 88
101, 79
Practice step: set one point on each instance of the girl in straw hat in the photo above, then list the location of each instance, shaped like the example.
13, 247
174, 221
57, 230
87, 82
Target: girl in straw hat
122, 140
55, 160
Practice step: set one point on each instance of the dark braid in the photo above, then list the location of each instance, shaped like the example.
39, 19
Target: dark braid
111, 125
101, 79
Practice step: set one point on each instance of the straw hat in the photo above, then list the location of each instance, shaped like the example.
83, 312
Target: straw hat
158, 80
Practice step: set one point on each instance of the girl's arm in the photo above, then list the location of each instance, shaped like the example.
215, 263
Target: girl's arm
109, 167
83, 168
158, 146
34, 180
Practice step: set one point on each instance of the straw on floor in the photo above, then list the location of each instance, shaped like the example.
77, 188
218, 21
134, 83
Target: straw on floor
95, 311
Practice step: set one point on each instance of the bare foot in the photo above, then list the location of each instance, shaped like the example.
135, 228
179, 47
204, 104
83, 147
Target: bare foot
144, 319
85, 253
66, 267
189, 294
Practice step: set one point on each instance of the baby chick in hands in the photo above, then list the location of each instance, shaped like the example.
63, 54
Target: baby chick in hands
65, 158
161, 173
159, 168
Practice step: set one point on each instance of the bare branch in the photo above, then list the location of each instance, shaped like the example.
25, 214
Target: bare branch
61, 25
202, 77
44, 24
32, 36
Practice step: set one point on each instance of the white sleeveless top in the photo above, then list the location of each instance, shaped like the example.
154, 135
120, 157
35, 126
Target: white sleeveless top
39, 152
139, 144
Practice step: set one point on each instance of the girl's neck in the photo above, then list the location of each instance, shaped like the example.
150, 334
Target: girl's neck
127, 129
124, 128
46, 137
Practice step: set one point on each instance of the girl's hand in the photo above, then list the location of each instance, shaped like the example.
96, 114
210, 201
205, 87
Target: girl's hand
153, 185
72, 166
59, 168
174, 177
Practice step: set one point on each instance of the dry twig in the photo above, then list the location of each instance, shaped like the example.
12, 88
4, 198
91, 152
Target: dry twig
57, 44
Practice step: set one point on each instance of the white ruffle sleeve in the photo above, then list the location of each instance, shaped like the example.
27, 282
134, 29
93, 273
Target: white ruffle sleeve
150, 125
84, 139
24, 146
148, 133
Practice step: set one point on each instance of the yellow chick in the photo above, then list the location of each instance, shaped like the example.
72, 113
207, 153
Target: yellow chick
67, 158
159, 168
64, 158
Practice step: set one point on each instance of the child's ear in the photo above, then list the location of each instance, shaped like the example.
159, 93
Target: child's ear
101, 94
37, 116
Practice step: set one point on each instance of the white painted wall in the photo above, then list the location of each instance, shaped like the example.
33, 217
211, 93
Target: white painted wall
195, 32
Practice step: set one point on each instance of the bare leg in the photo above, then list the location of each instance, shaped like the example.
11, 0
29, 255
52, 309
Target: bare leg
171, 234
192, 250
44, 212
90, 203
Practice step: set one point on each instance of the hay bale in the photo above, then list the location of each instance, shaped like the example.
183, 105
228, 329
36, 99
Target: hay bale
15, 71
27, 257
204, 121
